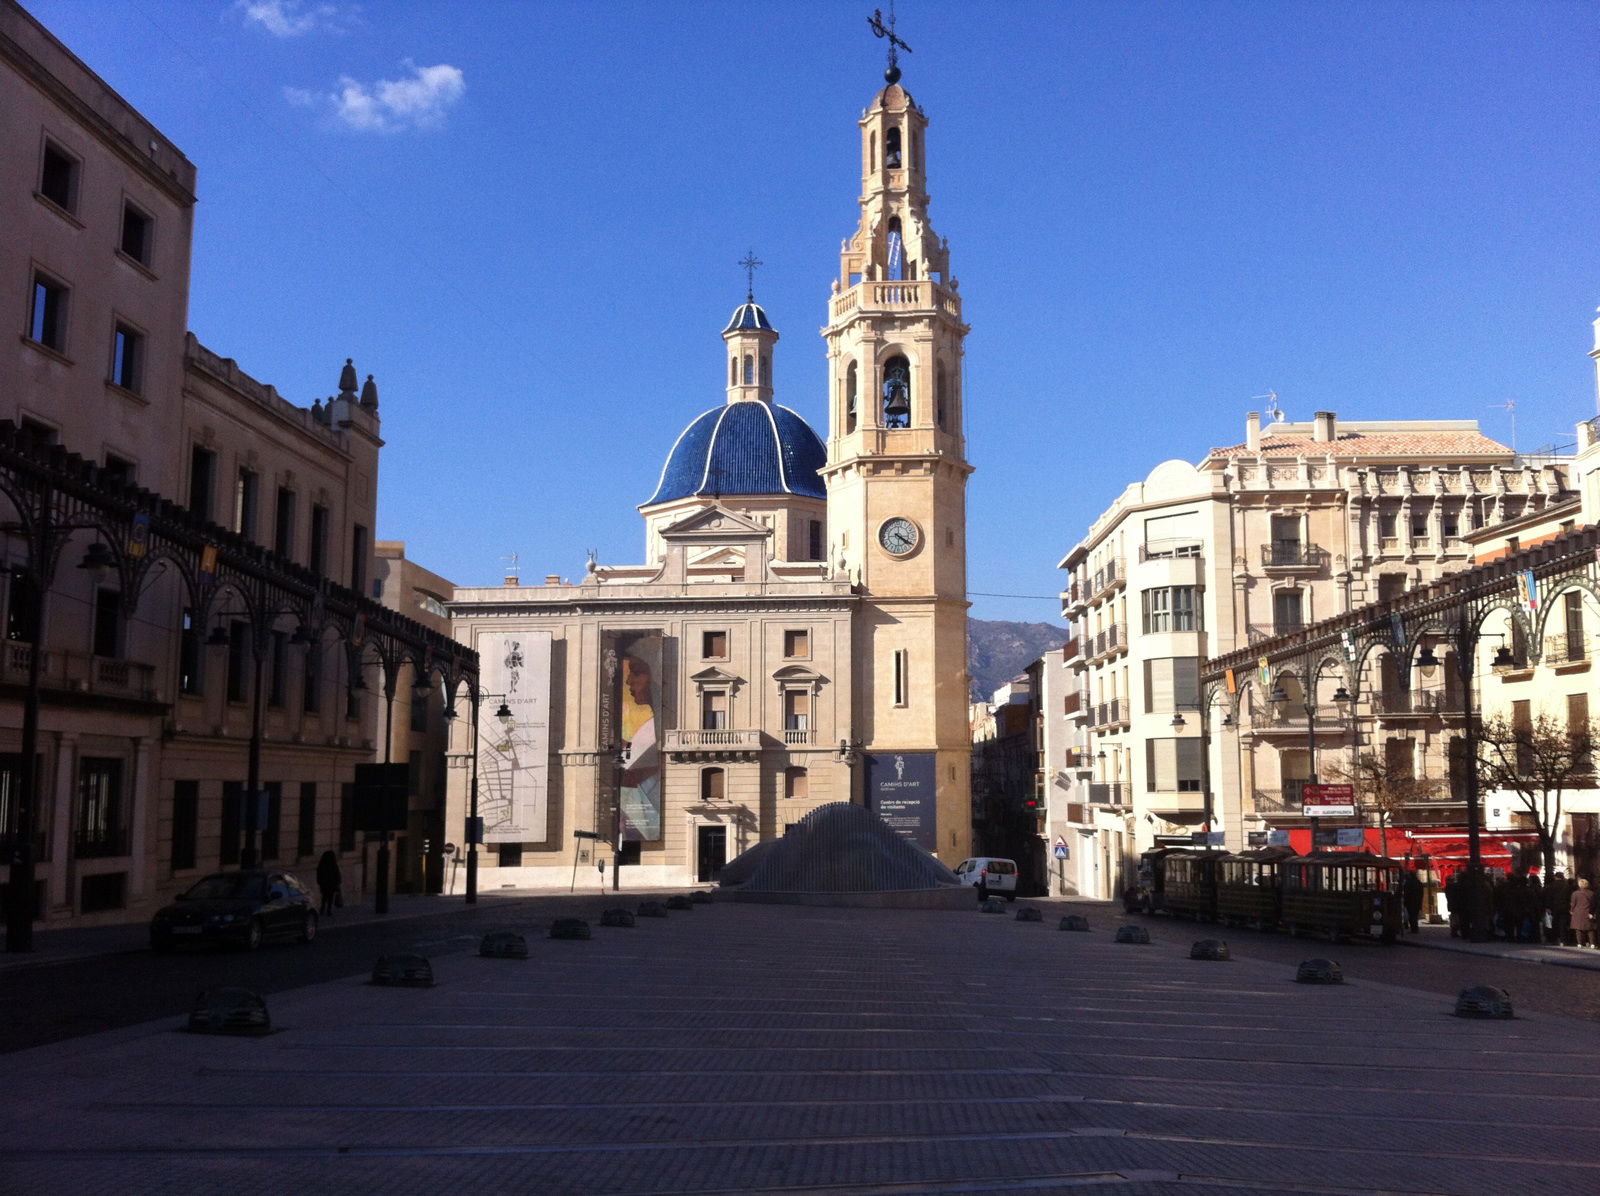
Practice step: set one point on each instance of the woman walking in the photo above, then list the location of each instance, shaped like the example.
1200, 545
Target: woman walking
330, 881
1583, 913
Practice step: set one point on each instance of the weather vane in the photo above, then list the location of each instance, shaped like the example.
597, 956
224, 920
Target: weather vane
750, 263
875, 23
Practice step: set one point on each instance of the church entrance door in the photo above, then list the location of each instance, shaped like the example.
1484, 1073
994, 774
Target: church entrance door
713, 852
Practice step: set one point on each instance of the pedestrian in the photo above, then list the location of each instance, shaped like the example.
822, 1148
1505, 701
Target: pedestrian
1411, 899
1558, 901
1455, 901
330, 881
1583, 913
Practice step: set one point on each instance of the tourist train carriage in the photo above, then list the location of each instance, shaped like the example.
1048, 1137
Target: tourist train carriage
1181, 881
1248, 892
1342, 893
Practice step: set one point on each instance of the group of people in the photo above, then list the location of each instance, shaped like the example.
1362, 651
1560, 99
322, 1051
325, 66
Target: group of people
1559, 912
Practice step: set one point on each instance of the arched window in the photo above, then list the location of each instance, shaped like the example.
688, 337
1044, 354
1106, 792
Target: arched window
850, 398
891, 147
733, 370
941, 397
712, 787
897, 393
749, 370
872, 151
897, 251
766, 370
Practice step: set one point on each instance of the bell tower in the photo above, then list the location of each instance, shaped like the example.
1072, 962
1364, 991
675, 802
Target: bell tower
897, 471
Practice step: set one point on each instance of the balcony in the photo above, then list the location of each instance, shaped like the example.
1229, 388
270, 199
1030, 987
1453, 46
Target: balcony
1167, 550
1567, 647
799, 737
1072, 704
717, 744
1110, 575
100, 843
876, 295
1293, 556
1426, 704
1111, 714
1280, 801
1109, 642
1077, 759
1114, 793
1070, 649
66, 672
1256, 633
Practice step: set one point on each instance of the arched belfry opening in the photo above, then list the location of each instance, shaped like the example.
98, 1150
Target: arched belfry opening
850, 389
941, 397
897, 251
897, 392
891, 147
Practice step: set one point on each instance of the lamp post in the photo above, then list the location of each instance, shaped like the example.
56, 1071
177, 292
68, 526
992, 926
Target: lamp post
1465, 642
474, 827
1203, 709
1308, 702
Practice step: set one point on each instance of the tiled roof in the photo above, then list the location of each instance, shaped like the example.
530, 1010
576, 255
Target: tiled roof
748, 447
1385, 443
748, 315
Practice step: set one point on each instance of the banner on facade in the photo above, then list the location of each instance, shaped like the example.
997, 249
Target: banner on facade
902, 790
632, 723
514, 758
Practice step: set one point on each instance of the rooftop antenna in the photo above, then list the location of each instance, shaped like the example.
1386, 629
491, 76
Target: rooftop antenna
876, 24
512, 573
1275, 411
1510, 406
751, 264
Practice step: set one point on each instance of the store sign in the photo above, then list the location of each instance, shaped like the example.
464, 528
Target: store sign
1329, 801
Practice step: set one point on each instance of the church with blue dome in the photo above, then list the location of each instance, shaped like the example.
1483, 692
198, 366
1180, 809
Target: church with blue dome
795, 632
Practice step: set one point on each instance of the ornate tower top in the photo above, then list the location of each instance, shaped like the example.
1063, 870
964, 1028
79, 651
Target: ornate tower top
876, 23
750, 337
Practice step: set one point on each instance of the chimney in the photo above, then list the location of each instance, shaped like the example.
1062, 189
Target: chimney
552, 579
1252, 431
1324, 427
512, 579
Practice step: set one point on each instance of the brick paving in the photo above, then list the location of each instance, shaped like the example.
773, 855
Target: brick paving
747, 1049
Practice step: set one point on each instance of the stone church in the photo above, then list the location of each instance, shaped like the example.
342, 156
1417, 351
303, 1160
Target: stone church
797, 633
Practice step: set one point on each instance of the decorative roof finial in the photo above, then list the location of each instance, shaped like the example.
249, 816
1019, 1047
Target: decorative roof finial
876, 24
347, 379
369, 394
750, 262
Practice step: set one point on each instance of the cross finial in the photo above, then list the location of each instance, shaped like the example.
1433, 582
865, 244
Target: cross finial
750, 264
876, 23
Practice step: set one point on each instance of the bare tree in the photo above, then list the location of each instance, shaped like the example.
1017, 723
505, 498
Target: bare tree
1384, 787
1537, 761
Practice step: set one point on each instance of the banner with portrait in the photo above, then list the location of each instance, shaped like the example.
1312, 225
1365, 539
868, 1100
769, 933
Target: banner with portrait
514, 754
632, 723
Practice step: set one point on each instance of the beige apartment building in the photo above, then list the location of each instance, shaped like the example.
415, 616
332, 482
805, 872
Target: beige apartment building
187, 552
797, 631
1300, 522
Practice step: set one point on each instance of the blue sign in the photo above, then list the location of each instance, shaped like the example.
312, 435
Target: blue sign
902, 790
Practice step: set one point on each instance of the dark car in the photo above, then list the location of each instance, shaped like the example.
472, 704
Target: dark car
241, 908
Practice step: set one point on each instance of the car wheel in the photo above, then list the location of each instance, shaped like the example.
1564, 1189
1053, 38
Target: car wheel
308, 928
252, 935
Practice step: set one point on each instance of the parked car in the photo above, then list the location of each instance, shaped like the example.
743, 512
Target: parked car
990, 874
243, 909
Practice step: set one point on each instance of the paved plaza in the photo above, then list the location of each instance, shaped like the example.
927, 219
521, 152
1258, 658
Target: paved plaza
746, 1049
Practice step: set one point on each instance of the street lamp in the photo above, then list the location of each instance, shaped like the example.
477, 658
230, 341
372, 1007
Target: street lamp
1466, 641
1203, 709
1308, 703
474, 835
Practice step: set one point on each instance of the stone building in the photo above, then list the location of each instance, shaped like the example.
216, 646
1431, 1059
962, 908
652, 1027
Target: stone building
797, 632
186, 551
1299, 522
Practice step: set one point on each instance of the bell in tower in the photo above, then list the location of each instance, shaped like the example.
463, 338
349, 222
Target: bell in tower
897, 394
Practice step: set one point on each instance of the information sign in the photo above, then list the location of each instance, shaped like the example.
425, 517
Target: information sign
1328, 801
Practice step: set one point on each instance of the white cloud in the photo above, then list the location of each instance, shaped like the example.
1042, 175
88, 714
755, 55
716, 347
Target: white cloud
418, 101
287, 18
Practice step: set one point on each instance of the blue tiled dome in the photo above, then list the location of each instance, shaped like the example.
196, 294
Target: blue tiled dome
746, 316
744, 448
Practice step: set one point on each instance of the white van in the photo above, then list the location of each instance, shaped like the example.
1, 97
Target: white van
991, 875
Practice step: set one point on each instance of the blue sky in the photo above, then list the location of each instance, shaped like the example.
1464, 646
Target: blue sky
526, 218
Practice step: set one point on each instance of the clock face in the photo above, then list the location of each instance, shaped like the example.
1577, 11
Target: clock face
899, 536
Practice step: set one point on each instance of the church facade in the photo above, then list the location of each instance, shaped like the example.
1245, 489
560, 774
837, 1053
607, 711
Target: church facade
796, 634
